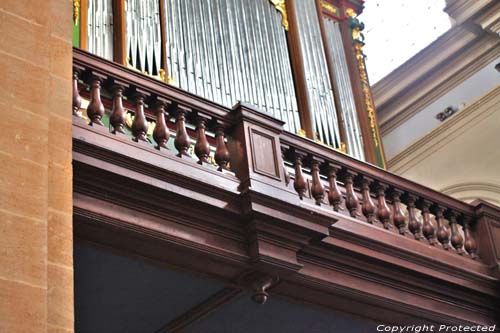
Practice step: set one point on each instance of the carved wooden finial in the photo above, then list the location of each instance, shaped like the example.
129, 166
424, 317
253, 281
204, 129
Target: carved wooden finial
260, 286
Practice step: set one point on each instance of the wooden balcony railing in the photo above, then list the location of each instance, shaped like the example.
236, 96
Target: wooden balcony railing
276, 165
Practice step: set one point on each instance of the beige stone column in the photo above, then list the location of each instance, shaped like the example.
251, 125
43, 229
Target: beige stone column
36, 242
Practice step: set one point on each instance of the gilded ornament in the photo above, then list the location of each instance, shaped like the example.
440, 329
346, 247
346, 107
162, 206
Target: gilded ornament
76, 10
161, 76
281, 7
129, 120
349, 12
358, 38
302, 133
343, 148
328, 7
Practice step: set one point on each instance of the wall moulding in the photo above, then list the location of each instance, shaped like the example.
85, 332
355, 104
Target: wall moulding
432, 73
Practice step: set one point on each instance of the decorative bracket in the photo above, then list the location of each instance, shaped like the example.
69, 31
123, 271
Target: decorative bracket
281, 7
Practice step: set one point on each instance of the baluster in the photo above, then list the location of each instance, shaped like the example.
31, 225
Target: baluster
351, 199
398, 214
414, 225
470, 243
221, 155
317, 189
457, 241
383, 212
334, 195
117, 117
299, 183
95, 109
368, 207
202, 147
443, 234
77, 99
182, 141
161, 133
284, 149
427, 227
139, 125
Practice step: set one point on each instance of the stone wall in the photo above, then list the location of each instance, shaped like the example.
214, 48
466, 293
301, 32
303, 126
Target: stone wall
36, 251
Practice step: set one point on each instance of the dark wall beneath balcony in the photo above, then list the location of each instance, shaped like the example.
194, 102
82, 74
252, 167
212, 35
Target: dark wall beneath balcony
279, 315
117, 293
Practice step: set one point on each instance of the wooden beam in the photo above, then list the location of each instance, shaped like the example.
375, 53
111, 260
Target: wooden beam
299, 76
331, 72
368, 144
83, 24
163, 27
119, 46
201, 310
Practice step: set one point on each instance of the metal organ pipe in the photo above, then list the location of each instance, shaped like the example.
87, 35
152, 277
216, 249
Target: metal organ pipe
100, 28
321, 99
341, 73
230, 51
143, 35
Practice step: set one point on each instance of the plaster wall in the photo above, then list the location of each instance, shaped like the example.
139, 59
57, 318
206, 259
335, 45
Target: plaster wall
461, 157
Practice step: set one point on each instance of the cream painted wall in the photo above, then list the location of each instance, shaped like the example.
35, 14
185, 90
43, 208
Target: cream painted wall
462, 156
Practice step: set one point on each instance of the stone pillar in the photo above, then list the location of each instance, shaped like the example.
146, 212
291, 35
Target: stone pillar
36, 251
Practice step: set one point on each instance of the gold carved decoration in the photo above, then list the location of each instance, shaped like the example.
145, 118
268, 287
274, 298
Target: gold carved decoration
365, 87
281, 7
161, 76
129, 120
302, 133
349, 12
76, 7
343, 148
328, 7
358, 39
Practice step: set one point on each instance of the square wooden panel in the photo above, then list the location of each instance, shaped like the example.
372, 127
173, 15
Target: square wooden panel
264, 156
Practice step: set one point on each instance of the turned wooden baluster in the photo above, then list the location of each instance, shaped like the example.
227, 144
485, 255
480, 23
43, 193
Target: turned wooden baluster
442, 232
383, 212
317, 189
398, 217
427, 227
202, 147
221, 155
299, 183
161, 133
470, 243
117, 117
334, 195
414, 225
182, 141
95, 109
77, 99
139, 125
351, 199
368, 207
284, 149
457, 241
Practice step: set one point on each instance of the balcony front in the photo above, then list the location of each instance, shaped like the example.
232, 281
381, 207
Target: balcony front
229, 193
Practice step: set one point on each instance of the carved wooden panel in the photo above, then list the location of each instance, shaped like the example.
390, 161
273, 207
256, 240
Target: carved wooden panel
264, 155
